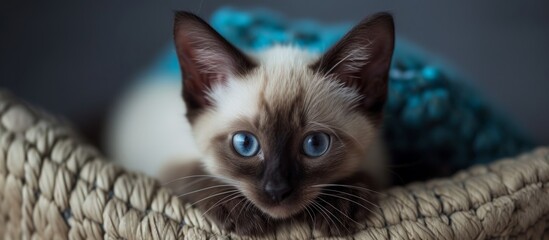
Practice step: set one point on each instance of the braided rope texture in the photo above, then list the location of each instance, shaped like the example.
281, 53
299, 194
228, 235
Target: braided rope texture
55, 186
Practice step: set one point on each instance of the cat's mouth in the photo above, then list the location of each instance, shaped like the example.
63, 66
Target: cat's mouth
286, 208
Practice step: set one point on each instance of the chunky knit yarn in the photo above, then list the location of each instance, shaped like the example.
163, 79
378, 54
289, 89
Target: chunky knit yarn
55, 186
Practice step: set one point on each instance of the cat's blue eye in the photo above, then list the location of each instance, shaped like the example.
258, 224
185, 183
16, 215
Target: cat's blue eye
316, 144
245, 144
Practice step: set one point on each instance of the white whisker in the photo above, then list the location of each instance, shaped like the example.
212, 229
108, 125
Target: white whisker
327, 217
348, 186
355, 202
353, 195
232, 209
204, 189
218, 203
211, 196
347, 216
334, 216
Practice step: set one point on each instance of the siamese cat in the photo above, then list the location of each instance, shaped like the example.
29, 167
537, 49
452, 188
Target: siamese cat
283, 134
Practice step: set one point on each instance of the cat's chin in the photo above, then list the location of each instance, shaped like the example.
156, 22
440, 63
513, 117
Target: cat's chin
280, 211
284, 209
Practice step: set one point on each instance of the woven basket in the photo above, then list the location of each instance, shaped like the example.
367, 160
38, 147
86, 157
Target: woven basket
55, 186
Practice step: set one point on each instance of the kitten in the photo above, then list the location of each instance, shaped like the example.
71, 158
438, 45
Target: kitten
284, 134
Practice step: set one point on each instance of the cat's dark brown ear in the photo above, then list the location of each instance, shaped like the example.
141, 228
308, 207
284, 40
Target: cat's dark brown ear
361, 59
205, 57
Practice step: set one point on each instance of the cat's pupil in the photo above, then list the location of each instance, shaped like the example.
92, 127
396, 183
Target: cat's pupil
246, 142
315, 142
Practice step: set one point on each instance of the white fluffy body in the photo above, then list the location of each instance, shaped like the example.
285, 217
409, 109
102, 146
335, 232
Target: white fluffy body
147, 129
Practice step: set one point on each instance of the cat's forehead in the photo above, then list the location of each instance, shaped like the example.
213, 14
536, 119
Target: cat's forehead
284, 56
284, 87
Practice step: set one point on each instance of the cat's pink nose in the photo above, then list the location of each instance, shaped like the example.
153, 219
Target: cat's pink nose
278, 191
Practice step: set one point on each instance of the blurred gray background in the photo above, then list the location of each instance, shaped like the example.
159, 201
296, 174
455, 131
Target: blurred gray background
74, 57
